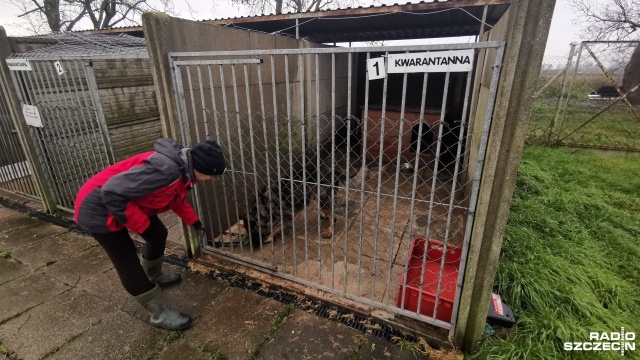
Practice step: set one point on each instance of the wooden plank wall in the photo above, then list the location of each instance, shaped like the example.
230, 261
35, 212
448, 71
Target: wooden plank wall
129, 104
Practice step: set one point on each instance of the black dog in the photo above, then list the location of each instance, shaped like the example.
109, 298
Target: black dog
264, 211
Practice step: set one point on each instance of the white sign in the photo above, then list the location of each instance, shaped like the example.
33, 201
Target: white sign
32, 115
19, 65
58, 67
435, 61
375, 68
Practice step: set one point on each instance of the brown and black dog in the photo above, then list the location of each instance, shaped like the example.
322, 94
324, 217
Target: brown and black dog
275, 207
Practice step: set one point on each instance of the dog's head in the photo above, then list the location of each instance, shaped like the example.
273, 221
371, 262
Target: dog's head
253, 229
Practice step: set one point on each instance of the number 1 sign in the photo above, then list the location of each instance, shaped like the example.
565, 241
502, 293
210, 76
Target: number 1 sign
376, 68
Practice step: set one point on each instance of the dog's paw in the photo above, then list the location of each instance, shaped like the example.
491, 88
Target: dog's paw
327, 234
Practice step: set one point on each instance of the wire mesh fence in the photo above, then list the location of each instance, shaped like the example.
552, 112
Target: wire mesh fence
70, 44
332, 183
581, 98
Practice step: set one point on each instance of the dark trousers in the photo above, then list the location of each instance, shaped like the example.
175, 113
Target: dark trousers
122, 252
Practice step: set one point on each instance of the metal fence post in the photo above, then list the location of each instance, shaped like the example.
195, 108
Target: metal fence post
563, 108
554, 121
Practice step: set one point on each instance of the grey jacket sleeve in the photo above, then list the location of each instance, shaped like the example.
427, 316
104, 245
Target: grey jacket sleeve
120, 193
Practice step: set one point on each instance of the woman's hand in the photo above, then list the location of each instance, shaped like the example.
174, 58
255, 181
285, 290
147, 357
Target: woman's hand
201, 232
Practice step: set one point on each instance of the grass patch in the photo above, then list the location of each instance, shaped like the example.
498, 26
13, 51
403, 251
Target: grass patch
280, 318
405, 345
570, 262
213, 353
163, 344
3, 349
361, 341
4, 255
173, 336
275, 325
7, 354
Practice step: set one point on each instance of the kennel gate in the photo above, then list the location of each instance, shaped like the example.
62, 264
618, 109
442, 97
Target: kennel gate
274, 110
72, 140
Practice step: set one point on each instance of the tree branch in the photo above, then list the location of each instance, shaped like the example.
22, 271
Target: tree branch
133, 7
87, 6
73, 22
30, 11
616, 20
38, 8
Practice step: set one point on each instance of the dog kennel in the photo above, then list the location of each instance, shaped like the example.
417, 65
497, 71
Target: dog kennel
292, 105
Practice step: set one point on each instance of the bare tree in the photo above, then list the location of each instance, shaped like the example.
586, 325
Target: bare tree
609, 19
614, 20
43, 16
256, 7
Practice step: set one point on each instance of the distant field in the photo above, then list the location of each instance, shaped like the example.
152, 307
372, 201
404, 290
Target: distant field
616, 128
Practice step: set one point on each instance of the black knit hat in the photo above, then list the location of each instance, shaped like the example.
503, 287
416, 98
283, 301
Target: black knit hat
207, 158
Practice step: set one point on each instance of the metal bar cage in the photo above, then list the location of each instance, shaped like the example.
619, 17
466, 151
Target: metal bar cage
361, 188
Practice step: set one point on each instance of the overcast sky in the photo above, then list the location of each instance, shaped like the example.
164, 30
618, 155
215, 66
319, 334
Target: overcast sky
563, 32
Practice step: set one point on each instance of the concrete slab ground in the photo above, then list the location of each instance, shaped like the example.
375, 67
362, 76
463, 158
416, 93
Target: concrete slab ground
80, 267
52, 249
10, 219
26, 232
26, 292
251, 314
117, 336
311, 337
49, 326
60, 298
11, 269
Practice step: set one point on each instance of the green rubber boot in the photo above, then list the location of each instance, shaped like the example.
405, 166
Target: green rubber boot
153, 269
160, 314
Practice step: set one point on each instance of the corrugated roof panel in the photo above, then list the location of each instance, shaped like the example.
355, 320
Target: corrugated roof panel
383, 26
437, 18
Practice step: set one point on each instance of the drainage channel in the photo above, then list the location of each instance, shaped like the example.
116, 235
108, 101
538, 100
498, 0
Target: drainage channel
353, 320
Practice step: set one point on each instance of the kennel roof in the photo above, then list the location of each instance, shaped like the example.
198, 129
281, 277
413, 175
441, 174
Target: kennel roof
432, 19
70, 45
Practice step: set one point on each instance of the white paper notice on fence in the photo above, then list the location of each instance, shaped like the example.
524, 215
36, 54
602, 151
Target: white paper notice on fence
19, 65
434, 61
375, 68
32, 115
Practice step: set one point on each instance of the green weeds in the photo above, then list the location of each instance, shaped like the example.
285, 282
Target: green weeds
570, 262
